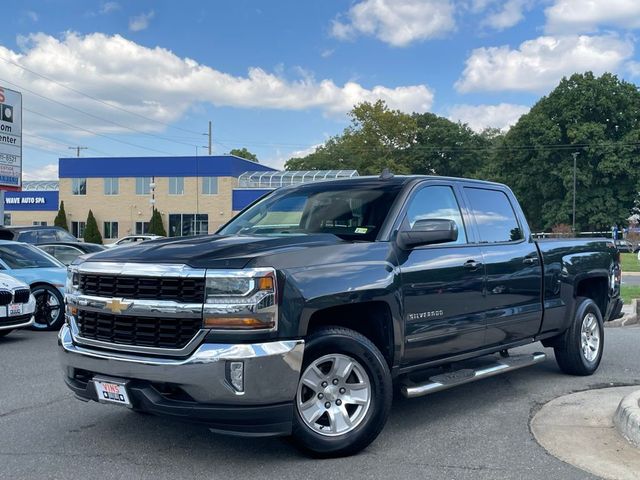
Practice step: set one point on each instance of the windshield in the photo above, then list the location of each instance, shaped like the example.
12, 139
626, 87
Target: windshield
25, 256
347, 211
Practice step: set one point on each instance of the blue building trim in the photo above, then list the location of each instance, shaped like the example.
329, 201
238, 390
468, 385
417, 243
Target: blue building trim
244, 197
111, 167
31, 201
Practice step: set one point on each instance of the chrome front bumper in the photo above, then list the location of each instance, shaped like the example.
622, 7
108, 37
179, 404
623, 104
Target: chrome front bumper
271, 370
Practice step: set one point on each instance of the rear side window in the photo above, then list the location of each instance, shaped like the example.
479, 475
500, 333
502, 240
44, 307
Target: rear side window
28, 237
46, 235
494, 215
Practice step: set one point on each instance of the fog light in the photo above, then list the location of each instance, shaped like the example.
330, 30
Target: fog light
236, 375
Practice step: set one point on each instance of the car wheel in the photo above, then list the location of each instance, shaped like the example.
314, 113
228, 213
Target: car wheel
49, 314
581, 351
5, 332
344, 393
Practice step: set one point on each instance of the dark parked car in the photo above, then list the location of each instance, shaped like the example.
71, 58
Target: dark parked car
624, 246
36, 234
302, 312
67, 252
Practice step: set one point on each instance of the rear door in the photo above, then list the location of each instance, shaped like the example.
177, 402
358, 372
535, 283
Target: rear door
442, 285
512, 264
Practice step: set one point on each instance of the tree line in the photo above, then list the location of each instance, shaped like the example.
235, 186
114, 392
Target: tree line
594, 118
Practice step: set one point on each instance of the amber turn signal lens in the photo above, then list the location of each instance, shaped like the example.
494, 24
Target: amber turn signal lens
236, 322
265, 283
73, 311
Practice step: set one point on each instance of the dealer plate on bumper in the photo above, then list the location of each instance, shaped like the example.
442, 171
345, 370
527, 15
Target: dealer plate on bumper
111, 390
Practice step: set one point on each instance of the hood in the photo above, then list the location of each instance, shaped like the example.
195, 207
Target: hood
8, 283
213, 251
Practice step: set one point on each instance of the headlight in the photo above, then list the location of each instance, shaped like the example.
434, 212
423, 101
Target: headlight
73, 281
241, 300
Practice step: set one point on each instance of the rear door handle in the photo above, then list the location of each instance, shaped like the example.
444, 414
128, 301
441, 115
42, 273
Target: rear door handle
530, 260
472, 265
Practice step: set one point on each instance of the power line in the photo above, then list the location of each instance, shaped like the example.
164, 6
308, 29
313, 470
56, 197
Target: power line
95, 98
94, 132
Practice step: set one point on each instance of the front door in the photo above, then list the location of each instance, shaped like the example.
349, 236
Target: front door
442, 285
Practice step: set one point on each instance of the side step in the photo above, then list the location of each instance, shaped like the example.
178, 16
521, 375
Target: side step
467, 375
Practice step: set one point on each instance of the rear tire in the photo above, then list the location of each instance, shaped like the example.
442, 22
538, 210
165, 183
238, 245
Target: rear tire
49, 314
580, 352
344, 394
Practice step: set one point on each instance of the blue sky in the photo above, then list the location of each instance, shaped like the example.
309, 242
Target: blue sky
144, 77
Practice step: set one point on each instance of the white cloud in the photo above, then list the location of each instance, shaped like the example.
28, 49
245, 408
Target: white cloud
33, 16
633, 68
539, 64
109, 7
156, 83
509, 14
280, 158
141, 22
396, 22
586, 15
43, 172
480, 117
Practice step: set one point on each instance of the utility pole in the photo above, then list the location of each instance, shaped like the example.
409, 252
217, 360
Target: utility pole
210, 137
575, 156
77, 149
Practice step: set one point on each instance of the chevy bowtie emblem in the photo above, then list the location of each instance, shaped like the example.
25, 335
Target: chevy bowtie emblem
117, 305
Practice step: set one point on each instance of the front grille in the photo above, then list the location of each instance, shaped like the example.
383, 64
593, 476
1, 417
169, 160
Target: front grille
21, 296
139, 331
5, 297
185, 290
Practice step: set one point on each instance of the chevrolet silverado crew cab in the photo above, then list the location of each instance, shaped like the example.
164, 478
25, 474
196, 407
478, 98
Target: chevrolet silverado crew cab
304, 311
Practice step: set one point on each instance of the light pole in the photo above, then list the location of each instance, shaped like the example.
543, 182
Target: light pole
575, 156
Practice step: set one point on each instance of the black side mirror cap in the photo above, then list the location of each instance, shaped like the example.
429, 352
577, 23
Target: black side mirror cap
428, 232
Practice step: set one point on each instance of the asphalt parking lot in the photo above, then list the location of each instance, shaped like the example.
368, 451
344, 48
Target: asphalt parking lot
477, 431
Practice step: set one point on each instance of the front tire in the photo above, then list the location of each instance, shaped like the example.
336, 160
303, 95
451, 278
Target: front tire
580, 352
344, 393
49, 314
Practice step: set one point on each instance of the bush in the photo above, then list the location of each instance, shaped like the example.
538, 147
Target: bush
155, 224
91, 232
61, 218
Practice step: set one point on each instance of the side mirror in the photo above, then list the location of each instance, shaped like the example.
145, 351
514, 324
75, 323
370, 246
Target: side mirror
428, 232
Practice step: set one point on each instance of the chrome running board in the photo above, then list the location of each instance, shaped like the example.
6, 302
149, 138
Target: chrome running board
452, 379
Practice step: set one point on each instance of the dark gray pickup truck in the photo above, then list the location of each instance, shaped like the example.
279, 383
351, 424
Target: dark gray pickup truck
302, 313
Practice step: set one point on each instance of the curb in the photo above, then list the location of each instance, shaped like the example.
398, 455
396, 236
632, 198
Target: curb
627, 418
630, 319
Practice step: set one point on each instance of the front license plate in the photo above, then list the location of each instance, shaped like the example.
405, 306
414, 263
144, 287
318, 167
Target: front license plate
15, 309
112, 392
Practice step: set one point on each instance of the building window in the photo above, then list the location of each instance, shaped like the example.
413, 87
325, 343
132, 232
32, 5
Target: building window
39, 224
184, 224
143, 185
110, 229
7, 219
77, 229
111, 186
176, 185
209, 185
78, 186
142, 228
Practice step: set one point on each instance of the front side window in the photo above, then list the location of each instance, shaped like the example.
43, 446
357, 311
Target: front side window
436, 202
176, 185
496, 220
78, 186
351, 212
143, 185
209, 185
110, 230
25, 256
111, 186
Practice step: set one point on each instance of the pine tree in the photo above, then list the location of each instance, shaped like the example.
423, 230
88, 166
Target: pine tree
91, 232
61, 218
155, 224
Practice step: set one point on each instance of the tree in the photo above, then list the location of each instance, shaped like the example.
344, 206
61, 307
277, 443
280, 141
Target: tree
599, 119
91, 232
155, 224
61, 218
244, 153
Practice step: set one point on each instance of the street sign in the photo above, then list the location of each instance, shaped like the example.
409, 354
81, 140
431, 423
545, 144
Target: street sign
10, 139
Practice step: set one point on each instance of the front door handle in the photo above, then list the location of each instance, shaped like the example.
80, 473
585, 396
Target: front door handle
472, 265
530, 260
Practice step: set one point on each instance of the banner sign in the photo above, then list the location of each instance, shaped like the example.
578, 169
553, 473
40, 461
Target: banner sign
10, 139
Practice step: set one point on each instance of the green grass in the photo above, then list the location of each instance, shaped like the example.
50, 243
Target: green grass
629, 262
629, 292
